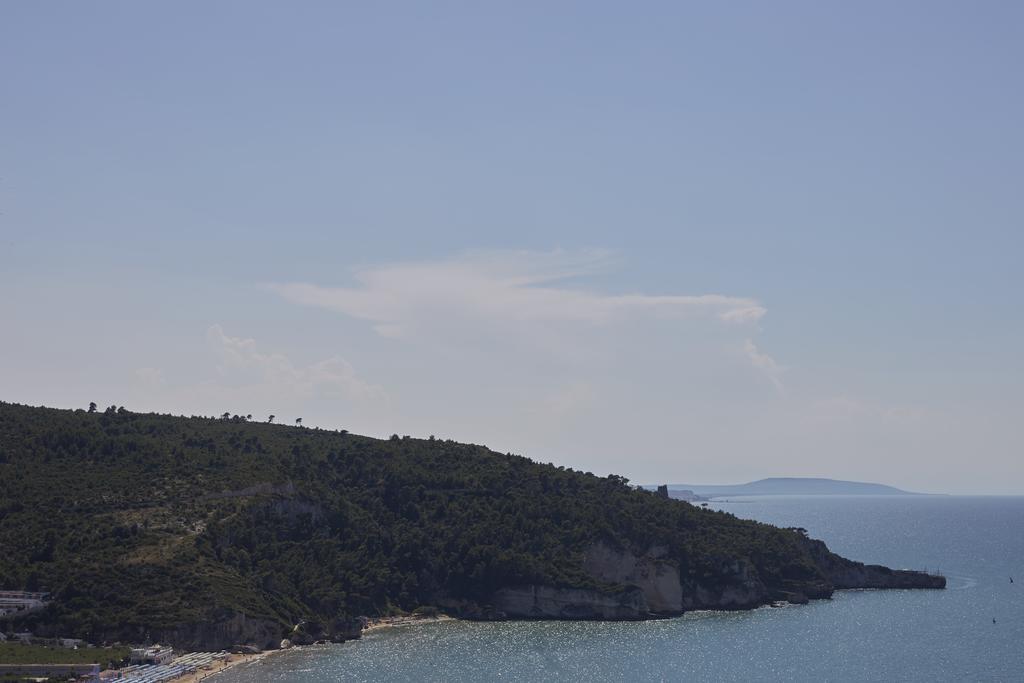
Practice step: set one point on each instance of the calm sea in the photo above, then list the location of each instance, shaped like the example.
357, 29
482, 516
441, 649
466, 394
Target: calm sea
978, 543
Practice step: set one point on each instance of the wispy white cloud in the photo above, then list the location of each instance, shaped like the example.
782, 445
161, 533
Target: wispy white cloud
540, 353
764, 363
241, 360
503, 290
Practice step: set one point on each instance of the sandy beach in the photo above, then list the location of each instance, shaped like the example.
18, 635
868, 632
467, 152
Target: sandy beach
234, 660
381, 623
231, 661
213, 669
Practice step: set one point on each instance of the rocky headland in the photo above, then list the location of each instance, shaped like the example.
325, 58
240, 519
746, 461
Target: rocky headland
219, 533
650, 586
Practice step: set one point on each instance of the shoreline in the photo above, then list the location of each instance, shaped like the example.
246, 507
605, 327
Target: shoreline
381, 623
373, 625
231, 662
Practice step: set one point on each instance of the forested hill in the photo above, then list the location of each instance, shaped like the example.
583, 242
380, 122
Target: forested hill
208, 532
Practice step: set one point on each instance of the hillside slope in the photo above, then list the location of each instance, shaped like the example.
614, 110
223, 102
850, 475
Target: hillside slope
210, 532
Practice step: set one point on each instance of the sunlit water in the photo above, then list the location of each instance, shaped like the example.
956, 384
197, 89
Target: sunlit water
978, 543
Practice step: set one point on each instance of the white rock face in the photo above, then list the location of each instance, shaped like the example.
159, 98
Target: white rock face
657, 578
546, 602
735, 585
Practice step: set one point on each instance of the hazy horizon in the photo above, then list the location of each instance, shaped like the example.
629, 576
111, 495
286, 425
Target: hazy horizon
287, 421
677, 243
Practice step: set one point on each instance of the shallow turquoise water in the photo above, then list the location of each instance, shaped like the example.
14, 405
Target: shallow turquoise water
978, 543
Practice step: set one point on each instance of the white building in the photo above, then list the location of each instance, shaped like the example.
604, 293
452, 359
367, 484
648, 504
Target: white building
157, 654
12, 602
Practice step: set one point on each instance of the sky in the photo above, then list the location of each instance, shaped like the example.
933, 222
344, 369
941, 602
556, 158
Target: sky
680, 242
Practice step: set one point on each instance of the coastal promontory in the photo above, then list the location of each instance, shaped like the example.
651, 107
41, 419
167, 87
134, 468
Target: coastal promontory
212, 532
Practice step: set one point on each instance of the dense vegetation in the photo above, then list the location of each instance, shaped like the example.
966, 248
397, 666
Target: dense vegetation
138, 522
18, 653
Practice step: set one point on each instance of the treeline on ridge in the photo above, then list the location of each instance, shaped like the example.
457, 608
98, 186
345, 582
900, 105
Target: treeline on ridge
140, 522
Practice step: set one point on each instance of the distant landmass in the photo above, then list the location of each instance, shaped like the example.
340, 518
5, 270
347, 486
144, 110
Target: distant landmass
785, 486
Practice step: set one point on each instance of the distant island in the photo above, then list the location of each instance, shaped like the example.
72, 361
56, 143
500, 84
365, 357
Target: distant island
785, 486
217, 532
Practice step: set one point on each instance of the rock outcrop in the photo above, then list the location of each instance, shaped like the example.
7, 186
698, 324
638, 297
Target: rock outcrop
735, 584
546, 602
655, 576
637, 586
227, 630
650, 585
844, 573
338, 631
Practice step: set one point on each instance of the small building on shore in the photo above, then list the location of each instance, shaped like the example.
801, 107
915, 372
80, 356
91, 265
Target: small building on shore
156, 654
19, 602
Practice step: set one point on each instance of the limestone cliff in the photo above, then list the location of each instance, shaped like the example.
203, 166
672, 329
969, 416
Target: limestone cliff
844, 573
649, 584
546, 602
656, 577
730, 583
